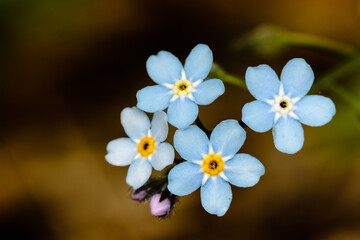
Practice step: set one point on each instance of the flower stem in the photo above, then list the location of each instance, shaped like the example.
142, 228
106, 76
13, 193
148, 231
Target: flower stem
202, 127
328, 81
347, 68
346, 95
217, 72
242, 124
178, 160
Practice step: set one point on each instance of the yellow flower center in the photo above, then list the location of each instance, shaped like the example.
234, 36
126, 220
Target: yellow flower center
183, 87
146, 146
213, 164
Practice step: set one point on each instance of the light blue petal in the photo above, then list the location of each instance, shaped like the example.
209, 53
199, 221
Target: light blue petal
288, 135
164, 68
182, 112
153, 98
191, 143
244, 170
159, 126
262, 82
199, 62
315, 110
216, 196
257, 116
208, 91
227, 138
139, 172
163, 156
297, 77
135, 122
185, 178
122, 151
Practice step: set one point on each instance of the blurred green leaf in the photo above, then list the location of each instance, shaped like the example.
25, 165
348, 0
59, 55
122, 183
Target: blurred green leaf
271, 40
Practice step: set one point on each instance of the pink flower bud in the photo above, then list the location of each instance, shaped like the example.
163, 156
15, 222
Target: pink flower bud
138, 196
157, 208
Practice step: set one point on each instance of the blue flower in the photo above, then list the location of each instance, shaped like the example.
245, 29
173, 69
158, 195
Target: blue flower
212, 164
283, 106
181, 89
144, 148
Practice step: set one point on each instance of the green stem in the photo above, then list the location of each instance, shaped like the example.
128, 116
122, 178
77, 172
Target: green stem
217, 72
328, 81
346, 95
347, 68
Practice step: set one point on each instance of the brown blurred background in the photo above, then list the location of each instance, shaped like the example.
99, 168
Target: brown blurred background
68, 67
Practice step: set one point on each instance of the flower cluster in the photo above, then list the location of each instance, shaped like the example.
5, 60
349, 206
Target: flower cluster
210, 162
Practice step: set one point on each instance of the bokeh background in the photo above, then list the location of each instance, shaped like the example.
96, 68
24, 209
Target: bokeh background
68, 68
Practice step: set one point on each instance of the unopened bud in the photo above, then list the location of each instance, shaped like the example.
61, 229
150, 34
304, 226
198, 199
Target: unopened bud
138, 196
159, 208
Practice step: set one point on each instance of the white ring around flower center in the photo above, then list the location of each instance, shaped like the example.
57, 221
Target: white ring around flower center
283, 105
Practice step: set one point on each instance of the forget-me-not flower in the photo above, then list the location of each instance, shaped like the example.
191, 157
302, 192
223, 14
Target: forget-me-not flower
180, 88
144, 149
283, 106
213, 164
